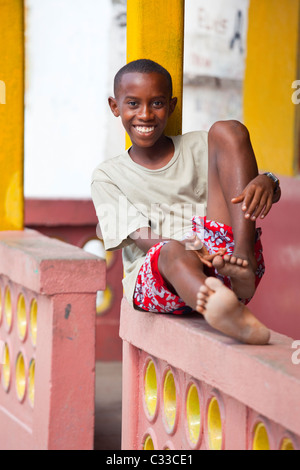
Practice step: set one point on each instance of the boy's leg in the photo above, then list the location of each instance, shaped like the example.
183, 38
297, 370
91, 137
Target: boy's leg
232, 165
183, 273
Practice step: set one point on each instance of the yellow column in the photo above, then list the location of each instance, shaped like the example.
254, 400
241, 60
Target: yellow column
11, 114
271, 68
155, 31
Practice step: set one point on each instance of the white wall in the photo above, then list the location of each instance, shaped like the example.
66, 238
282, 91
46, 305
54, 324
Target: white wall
66, 112
214, 61
73, 50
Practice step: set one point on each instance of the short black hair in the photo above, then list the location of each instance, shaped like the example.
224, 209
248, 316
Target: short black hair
142, 66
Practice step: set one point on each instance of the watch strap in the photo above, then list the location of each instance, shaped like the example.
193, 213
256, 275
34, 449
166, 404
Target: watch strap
274, 179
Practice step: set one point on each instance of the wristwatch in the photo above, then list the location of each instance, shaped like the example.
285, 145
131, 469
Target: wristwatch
273, 178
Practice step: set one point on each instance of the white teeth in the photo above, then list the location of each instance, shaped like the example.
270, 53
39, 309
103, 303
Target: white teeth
144, 129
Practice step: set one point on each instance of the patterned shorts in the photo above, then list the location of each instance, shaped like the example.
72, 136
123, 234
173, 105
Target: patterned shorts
151, 291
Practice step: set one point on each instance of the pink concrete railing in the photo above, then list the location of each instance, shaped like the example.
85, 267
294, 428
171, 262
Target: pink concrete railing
186, 386
47, 326
74, 221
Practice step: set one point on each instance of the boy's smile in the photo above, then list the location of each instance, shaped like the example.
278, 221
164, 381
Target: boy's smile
144, 103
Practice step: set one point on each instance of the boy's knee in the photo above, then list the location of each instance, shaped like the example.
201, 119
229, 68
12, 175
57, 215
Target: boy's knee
171, 250
231, 132
170, 255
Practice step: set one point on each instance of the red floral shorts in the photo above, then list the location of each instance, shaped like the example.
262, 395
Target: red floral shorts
151, 291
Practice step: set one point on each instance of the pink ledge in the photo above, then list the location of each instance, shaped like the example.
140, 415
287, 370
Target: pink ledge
60, 212
47, 265
261, 377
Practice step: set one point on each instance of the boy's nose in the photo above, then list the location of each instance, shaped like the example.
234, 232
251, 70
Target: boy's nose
146, 113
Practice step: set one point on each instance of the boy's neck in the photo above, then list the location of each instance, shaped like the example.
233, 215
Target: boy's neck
154, 157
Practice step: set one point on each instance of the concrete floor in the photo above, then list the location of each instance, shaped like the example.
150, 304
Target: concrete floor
108, 406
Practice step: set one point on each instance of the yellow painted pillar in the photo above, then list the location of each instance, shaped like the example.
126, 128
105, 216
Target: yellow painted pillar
11, 114
155, 31
271, 68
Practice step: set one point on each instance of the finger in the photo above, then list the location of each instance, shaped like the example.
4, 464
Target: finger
260, 207
211, 256
204, 250
238, 199
267, 207
248, 199
254, 204
207, 263
204, 260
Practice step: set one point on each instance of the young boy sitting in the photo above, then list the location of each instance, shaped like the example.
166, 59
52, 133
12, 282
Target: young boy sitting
183, 209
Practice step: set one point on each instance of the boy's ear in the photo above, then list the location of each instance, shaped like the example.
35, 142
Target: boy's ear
173, 102
113, 106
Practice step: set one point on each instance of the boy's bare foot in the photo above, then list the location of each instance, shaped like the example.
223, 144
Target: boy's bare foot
240, 271
223, 311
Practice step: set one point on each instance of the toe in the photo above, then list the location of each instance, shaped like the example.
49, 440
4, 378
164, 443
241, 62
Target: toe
213, 283
203, 291
201, 303
202, 298
218, 262
200, 309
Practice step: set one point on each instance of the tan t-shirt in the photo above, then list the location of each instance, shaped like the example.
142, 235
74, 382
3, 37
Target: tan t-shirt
128, 196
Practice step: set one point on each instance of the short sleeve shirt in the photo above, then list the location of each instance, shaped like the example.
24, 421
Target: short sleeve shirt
128, 196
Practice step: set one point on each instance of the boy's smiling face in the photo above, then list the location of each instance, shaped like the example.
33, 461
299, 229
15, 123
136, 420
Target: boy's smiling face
144, 103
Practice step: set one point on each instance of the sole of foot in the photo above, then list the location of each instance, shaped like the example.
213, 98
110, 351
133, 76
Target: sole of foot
223, 311
241, 273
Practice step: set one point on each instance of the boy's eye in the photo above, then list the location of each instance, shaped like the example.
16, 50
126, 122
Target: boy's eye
158, 104
132, 103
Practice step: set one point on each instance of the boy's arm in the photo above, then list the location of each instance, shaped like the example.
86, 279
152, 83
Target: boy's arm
258, 197
145, 238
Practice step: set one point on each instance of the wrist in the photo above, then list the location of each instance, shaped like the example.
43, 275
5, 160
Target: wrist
274, 180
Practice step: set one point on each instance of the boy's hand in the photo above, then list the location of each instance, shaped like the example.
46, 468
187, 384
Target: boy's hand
206, 258
258, 197
194, 244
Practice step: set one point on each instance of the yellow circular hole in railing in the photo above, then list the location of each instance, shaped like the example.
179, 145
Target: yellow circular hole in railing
109, 258
169, 400
260, 438
33, 321
287, 444
5, 367
20, 376
31, 381
214, 423
148, 443
150, 388
8, 308
21, 317
193, 414
104, 300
